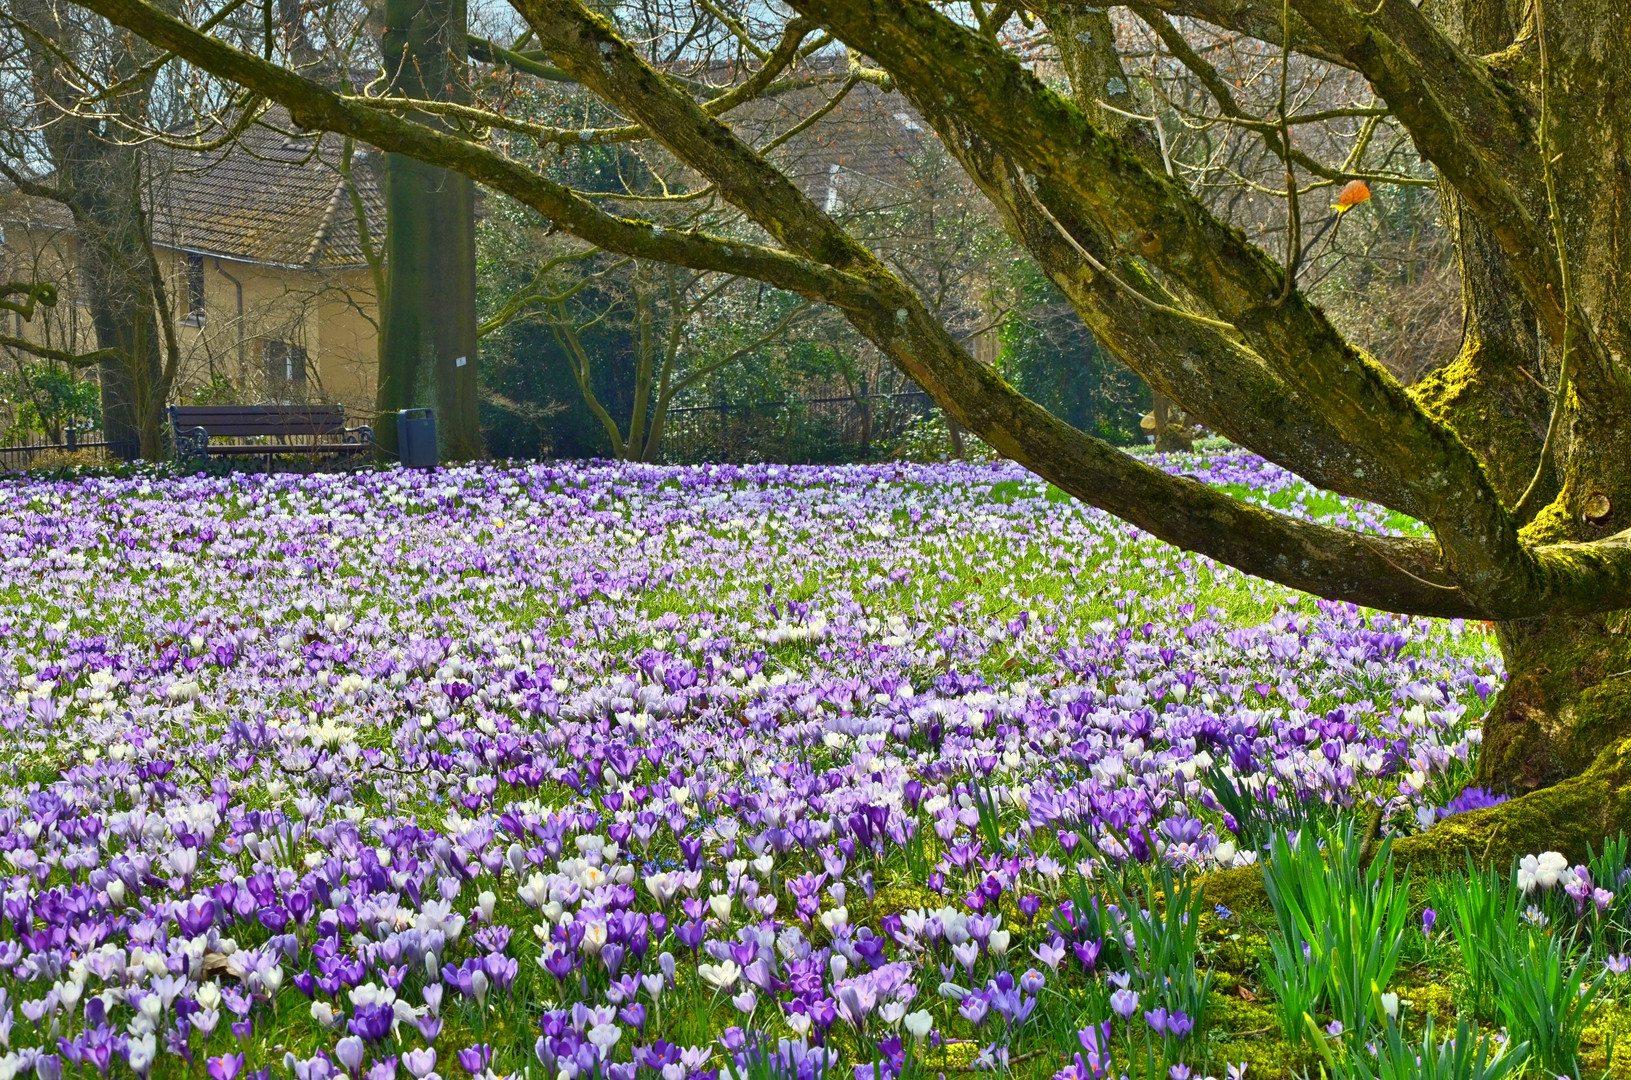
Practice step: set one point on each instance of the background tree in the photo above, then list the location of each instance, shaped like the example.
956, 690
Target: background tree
428, 355
1053, 359
1510, 105
65, 143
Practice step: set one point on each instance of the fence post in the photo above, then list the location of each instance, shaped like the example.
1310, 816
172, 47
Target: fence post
73, 439
866, 421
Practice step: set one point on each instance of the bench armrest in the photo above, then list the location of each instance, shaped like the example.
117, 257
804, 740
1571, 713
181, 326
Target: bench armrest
191, 442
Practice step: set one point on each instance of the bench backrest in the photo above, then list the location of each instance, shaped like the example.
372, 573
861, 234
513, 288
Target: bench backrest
230, 421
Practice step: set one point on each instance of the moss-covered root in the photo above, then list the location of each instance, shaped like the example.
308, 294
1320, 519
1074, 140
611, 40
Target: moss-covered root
1567, 817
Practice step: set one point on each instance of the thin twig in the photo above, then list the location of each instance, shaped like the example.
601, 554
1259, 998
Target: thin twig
814, 117
1216, 324
1294, 227
1363, 539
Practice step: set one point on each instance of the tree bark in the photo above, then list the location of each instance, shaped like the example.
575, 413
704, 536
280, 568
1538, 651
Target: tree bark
1567, 701
1171, 431
428, 313
113, 256
99, 179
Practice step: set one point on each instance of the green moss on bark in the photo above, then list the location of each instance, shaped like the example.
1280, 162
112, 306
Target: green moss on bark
1550, 526
1565, 701
1494, 410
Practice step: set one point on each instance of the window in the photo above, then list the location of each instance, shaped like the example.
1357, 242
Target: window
195, 289
285, 369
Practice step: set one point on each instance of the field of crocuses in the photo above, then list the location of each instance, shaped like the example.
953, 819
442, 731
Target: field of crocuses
579, 771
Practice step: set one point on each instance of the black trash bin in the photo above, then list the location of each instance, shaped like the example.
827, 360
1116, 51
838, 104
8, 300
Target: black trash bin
416, 438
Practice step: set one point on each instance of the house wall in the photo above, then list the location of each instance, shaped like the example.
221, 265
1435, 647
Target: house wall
45, 254
330, 313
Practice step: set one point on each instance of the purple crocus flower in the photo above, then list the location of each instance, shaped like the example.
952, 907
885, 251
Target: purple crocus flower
371, 1022
475, 1059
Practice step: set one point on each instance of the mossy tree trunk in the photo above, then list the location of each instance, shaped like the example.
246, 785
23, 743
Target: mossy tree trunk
428, 314
1568, 695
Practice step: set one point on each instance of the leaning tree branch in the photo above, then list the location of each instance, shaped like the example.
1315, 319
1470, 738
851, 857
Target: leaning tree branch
63, 356
1217, 376
480, 118
761, 83
490, 52
897, 321
1260, 19
33, 293
28, 185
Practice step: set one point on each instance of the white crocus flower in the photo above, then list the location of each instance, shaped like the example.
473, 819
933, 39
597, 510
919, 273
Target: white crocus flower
720, 975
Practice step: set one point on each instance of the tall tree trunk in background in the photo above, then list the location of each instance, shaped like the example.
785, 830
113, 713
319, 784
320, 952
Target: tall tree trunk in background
100, 180
428, 313
1171, 432
114, 251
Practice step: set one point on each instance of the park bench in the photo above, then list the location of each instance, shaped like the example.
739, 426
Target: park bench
276, 429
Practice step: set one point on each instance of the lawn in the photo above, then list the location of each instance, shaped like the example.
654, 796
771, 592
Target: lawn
575, 770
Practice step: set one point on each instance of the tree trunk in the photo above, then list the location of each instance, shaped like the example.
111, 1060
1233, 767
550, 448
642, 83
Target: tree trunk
1171, 433
1567, 699
1568, 694
117, 279
100, 180
428, 314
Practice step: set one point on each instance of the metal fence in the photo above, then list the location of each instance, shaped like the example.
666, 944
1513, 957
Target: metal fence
795, 430
22, 455
859, 427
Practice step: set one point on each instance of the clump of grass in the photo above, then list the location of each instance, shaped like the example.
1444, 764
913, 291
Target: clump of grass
1463, 1056
1545, 997
1482, 911
1341, 921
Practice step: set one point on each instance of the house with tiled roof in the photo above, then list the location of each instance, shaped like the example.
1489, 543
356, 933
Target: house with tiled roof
264, 256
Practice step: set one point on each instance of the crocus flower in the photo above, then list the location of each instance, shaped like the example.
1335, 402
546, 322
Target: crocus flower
420, 1063
475, 1059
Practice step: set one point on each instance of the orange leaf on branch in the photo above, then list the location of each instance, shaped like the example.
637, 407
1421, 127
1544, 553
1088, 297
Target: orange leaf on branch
1352, 194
